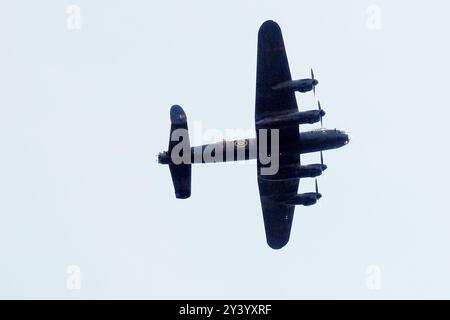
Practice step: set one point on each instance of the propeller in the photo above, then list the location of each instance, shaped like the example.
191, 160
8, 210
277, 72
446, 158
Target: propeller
321, 112
324, 167
318, 195
314, 80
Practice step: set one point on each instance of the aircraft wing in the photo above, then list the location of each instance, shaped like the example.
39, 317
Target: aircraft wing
277, 216
272, 69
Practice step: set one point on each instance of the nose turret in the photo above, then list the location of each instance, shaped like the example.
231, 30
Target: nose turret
342, 137
346, 138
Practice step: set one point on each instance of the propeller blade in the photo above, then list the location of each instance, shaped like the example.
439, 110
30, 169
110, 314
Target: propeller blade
317, 188
313, 78
320, 109
321, 158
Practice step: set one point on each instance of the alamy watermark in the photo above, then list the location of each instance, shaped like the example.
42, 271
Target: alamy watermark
73, 280
268, 150
373, 21
373, 280
73, 18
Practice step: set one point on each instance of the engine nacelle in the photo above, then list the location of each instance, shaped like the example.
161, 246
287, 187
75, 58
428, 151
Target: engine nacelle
297, 172
302, 85
291, 119
304, 199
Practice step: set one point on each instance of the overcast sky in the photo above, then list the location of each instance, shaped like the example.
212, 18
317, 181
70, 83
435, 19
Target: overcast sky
84, 109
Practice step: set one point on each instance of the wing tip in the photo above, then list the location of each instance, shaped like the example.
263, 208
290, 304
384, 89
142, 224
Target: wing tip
277, 243
183, 194
269, 26
277, 246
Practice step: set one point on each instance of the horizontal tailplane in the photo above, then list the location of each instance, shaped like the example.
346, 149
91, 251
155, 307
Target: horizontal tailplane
180, 172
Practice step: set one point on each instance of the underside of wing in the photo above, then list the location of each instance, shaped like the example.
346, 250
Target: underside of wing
277, 223
272, 69
278, 216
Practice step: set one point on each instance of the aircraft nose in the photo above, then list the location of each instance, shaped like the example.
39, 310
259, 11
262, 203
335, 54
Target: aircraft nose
315, 82
318, 196
347, 138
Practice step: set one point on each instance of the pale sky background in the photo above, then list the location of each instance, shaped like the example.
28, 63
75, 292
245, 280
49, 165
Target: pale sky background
83, 114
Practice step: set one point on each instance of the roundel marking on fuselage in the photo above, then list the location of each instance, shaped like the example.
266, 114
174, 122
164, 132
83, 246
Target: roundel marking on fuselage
241, 143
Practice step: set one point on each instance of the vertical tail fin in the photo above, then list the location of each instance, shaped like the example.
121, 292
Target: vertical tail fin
181, 173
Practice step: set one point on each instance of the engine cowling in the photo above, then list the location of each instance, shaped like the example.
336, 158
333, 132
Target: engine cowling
291, 119
304, 199
308, 171
301, 85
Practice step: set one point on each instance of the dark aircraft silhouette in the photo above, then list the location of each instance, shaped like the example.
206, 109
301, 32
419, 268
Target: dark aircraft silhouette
275, 110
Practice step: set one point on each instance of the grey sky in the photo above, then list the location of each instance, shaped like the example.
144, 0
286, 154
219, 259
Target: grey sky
84, 112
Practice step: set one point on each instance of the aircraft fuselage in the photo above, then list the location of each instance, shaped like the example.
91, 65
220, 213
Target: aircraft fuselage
246, 149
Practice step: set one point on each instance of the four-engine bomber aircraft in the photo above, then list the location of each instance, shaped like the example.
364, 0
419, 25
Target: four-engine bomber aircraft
276, 109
